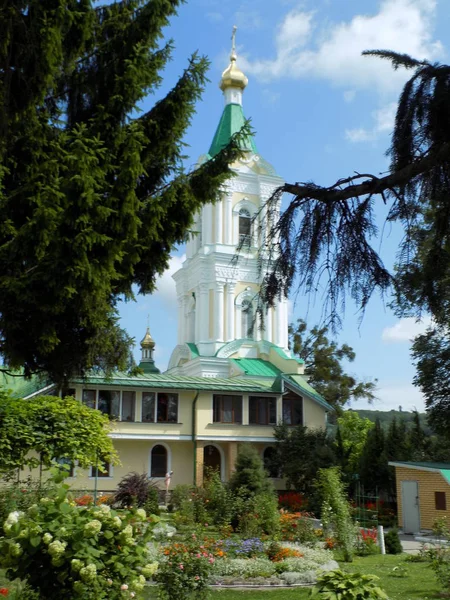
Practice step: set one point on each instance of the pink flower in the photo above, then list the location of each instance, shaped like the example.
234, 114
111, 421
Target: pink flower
198, 555
206, 524
196, 578
124, 587
181, 566
211, 560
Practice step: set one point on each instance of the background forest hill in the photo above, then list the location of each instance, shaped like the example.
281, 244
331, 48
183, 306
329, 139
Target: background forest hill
385, 417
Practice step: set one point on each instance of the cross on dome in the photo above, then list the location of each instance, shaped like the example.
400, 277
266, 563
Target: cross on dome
233, 77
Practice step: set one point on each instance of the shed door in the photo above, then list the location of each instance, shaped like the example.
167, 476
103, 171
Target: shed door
410, 502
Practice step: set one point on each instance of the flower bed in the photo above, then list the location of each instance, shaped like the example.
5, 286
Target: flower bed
250, 561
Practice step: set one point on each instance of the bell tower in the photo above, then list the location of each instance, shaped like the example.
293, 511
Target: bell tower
217, 286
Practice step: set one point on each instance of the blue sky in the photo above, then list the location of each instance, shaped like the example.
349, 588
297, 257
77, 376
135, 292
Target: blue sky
321, 111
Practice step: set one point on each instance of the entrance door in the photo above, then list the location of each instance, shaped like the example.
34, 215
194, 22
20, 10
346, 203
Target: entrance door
410, 503
212, 458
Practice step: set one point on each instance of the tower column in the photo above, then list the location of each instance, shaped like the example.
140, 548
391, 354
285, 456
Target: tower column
202, 314
207, 224
218, 312
267, 333
230, 312
278, 310
218, 224
228, 218
181, 319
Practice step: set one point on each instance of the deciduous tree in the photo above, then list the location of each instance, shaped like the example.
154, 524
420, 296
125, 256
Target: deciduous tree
323, 365
46, 428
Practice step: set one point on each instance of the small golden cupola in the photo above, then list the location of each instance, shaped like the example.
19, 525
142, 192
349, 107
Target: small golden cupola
147, 363
233, 77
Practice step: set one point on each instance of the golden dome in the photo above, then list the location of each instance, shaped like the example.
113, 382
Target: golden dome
148, 341
233, 76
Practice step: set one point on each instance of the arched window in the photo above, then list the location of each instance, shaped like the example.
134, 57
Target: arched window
247, 319
158, 461
245, 227
269, 464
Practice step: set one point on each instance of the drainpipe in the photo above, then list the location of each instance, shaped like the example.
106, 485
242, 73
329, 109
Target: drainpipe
194, 437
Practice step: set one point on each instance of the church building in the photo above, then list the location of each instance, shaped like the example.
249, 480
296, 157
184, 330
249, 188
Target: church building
230, 378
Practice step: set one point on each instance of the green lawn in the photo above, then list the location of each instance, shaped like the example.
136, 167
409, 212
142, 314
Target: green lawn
418, 582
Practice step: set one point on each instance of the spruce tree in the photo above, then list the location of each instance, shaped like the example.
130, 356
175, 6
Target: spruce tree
93, 195
249, 477
374, 472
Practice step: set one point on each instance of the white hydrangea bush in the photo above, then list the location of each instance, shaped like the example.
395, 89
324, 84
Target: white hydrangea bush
71, 552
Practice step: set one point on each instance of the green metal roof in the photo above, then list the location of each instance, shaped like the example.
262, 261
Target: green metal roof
19, 387
256, 367
297, 381
193, 348
283, 354
176, 382
436, 467
231, 121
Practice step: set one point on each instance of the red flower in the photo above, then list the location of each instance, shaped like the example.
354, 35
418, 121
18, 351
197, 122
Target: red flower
4, 591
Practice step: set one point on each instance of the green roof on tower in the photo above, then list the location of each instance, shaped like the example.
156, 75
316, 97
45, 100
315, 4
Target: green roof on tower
231, 122
232, 83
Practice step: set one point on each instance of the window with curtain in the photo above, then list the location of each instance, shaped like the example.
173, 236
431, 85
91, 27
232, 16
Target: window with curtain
293, 410
161, 407
109, 402
128, 406
227, 409
262, 411
88, 398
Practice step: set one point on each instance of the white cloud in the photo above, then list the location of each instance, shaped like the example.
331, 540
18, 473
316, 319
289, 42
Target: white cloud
305, 47
215, 17
349, 95
405, 330
384, 122
165, 284
390, 396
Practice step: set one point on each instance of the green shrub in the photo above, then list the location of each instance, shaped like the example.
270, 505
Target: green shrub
392, 542
336, 511
179, 494
19, 496
136, 490
185, 572
305, 532
70, 552
337, 585
218, 500
256, 515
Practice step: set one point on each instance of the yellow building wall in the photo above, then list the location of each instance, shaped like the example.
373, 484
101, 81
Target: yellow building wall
428, 483
134, 455
314, 414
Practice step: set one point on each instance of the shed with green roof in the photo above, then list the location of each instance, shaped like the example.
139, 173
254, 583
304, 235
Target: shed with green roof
423, 494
